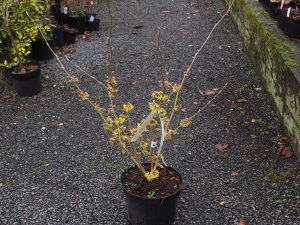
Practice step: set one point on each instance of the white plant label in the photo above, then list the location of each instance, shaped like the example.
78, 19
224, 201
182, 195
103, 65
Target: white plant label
288, 12
91, 19
282, 3
65, 10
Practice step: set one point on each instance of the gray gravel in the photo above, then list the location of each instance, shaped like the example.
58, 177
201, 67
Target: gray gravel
56, 167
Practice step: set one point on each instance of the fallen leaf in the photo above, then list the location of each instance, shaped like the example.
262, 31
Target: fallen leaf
1, 184
211, 91
236, 173
285, 151
73, 205
6, 97
242, 222
221, 147
222, 203
242, 100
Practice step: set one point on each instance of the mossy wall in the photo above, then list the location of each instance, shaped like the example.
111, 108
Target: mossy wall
274, 57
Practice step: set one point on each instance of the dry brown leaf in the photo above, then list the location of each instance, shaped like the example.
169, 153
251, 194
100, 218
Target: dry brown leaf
285, 151
242, 222
6, 97
213, 91
236, 173
73, 205
221, 147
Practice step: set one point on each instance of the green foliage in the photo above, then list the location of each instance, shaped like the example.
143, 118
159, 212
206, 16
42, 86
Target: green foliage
20, 24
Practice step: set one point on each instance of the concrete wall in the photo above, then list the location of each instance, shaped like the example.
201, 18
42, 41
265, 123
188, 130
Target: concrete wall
276, 60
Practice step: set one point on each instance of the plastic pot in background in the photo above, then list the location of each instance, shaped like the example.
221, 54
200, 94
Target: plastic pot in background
93, 26
70, 36
78, 23
292, 27
27, 84
274, 9
281, 18
151, 211
41, 51
59, 36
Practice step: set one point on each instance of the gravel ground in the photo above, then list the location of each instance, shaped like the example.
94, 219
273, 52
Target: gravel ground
56, 167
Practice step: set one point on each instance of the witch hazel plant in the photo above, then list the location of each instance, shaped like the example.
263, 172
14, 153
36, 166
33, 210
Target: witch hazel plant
143, 141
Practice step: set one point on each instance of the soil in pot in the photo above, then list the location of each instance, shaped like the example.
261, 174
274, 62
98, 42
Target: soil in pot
93, 26
77, 23
29, 83
41, 51
151, 203
70, 35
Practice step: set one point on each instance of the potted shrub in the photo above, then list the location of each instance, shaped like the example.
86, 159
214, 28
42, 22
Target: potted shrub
292, 23
92, 23
76, 15
282, 13
39, 47
17, 31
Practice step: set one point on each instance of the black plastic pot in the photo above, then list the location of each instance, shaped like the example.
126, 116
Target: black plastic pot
59, 36
78, 23
274, 9
292, 27
70, 37
156, 211
41, 51
27, 84
93, 26
281, 18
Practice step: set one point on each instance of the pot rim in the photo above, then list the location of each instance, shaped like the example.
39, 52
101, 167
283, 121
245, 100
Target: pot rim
149, 199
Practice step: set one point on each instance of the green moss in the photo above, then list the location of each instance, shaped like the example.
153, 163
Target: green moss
291, 63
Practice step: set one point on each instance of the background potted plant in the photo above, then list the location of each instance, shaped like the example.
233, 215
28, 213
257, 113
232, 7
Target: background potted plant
92, 23
292, 22
76, 15
70, 35
19, 26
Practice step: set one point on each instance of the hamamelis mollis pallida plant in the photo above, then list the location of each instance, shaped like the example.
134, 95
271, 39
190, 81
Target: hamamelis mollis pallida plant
138, 141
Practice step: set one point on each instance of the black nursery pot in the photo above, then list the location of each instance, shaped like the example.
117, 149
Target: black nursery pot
93, 26
156, 211
41, 51
78, 23
274, 9
70, 37
281, 19
27, 84
292, 27
59, 36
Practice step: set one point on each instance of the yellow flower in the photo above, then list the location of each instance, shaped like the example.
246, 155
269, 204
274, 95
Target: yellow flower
176, 88
153, 122
112, 140
145, 152
162, 112
128, 107
73, 80
133, 130
108, 123
98, 108
154, 106
120, 120
186, 122
170, 133
150, 176
84, 96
